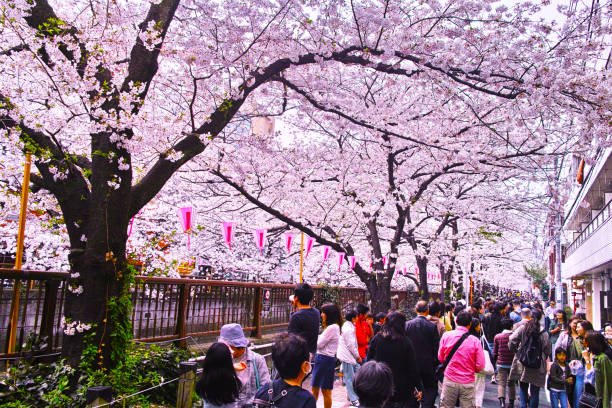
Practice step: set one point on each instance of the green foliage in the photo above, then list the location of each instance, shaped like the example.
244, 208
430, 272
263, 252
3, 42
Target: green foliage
119, 317
330, 294
539, 275
58, 385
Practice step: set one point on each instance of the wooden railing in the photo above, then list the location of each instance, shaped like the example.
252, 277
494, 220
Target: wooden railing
164, 309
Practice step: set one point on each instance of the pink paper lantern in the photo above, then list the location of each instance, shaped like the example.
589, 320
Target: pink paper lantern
186, 217
309, 243
340, 260
288, 241
228, 233
326, 249
352, 261
260, 238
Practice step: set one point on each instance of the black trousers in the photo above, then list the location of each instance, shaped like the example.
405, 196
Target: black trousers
429, 395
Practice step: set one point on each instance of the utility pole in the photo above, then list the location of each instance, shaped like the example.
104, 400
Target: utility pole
559, 285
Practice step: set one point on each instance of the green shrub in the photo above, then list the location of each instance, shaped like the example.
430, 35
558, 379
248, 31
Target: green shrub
58, 385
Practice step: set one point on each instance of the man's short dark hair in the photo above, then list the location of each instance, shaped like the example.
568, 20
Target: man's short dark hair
464, 318
304, 293
516, 302
362, 309
422, 306
288, 354
373, 384
434, 308
350, 315
379, 316
506, 324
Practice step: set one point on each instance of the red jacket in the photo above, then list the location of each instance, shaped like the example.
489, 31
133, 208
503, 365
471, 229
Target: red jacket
363, 332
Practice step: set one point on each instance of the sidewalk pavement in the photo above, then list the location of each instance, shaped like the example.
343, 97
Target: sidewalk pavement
490, 398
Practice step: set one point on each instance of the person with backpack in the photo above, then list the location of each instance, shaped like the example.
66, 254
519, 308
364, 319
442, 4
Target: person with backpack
250, 366
532, 348
374, 384
462, 357
348, 354
325, 360
291, 357
218, 386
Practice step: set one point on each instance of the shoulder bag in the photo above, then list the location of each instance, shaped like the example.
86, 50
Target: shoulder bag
442, 367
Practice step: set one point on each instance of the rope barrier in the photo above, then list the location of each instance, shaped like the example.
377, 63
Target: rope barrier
137, 393
29, 357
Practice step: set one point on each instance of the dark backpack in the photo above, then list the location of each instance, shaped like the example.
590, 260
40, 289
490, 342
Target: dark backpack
530, 352
272, 400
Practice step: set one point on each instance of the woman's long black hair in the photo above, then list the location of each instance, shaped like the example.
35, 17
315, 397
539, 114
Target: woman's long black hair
395, 326
218, 384
532, 327
332, 314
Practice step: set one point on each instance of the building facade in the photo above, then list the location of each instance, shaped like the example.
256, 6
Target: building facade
586, 267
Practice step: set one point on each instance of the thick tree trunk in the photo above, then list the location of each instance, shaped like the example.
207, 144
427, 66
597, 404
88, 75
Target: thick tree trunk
424, 289
380, 295
101, 282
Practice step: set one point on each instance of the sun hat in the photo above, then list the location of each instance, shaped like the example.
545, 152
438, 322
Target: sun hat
232, 334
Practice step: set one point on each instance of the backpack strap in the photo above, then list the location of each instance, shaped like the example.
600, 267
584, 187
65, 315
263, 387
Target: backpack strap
254, 363
454, 349
272, 400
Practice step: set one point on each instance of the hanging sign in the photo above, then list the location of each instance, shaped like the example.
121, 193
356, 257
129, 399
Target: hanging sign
266, 300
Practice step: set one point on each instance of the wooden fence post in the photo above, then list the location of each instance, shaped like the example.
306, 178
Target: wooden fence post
182, 314
98, 395
257, 313
186, 384
48, 311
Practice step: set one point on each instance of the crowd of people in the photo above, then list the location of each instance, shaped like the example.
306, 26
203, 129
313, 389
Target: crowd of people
443, 355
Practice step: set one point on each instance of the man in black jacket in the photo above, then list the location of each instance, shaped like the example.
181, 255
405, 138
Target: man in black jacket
426, 340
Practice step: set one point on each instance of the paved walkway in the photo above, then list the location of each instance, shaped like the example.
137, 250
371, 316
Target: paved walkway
490, 398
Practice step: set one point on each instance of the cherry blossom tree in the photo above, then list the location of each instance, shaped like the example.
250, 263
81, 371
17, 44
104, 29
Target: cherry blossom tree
112, 99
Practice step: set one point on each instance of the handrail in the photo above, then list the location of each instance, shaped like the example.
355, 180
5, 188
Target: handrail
24, 274
587, 232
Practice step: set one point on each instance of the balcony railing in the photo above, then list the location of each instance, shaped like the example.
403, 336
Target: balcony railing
604, 215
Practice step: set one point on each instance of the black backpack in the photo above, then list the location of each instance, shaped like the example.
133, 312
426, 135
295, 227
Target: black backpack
530, 352
272, 400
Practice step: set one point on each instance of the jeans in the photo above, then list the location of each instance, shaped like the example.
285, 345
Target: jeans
348, 373
491, 348
530, 395
558, 398
578, 387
